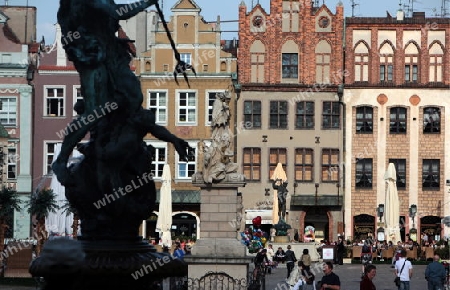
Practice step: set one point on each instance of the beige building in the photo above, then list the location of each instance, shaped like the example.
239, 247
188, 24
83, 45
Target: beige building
291, 113
184, 110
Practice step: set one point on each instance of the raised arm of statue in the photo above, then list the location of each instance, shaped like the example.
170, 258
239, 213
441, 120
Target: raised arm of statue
121, 11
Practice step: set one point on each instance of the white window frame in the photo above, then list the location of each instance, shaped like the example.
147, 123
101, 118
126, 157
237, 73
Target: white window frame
75, 98
193, 144
158, 145
187, 107
12, 160
9, 112
158, 108
46, 88
45, 155
186, 57
209, 108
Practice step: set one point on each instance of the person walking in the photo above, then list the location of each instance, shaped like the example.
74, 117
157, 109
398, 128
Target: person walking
367, 282
403, 269
435, 274
340, 251
366, 256
306, 259
290, 260
330, 281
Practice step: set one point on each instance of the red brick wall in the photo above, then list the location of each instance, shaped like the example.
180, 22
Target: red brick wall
273, 39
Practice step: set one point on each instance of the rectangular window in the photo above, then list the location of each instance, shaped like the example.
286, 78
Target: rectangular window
277, 155
210, 99
185, 169
252, 164
187, 108
304, 117
278, 115
431, 120
159, 158
12, 162
157, 102
186, 57
386, 72
361, 67
331, 115
330, 165
390, 72
304, 164
411, 72
363, 178
430, 174
252, 114
364, 120
54, 102
8, 112
76, 97
400, 168
290, 65
49, 154
397, 124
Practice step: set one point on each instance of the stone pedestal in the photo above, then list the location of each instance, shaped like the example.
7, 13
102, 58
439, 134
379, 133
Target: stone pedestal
281, 239
218, 254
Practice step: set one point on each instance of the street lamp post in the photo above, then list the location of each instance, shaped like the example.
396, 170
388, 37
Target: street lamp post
380, 230
413, 230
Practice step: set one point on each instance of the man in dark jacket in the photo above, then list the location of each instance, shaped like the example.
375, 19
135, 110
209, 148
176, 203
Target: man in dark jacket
290, 260
435, 274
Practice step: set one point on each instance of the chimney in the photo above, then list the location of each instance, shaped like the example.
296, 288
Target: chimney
400, 15
60, 52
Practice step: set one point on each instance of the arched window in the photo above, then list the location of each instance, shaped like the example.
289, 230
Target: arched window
361, 63
411, 63
323, 60
431, 120
364, 119
257, 58
436, 69
397, 123
386, 63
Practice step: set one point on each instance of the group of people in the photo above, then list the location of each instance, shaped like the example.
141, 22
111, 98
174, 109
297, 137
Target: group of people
435, 273
299, 274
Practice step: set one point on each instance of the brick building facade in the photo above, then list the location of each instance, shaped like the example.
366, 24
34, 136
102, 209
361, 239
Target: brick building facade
396, 97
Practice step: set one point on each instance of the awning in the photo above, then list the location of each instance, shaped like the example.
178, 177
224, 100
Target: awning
265, 214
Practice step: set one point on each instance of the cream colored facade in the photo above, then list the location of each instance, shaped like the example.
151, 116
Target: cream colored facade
397, 103
184, 109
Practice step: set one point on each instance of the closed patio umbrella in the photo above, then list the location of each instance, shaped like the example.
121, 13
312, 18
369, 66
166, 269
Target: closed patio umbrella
278, 173
164, 222
392, 208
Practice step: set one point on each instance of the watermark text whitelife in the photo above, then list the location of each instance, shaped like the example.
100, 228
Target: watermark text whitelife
148, 268
135, 184
84, 120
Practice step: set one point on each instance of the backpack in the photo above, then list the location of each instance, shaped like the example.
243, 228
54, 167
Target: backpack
366, 248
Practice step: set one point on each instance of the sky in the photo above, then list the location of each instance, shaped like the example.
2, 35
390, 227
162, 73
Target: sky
228, 10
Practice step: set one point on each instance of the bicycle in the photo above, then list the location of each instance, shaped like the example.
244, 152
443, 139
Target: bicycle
259, 277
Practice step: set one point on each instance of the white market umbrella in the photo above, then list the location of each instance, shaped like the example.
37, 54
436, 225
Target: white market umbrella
392, 205
59, 222
164, 222
278, 173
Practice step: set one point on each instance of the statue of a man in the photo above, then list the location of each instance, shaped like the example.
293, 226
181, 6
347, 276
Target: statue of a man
282, 192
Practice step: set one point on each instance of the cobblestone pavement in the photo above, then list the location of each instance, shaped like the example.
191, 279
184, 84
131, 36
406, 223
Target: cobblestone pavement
350, 276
